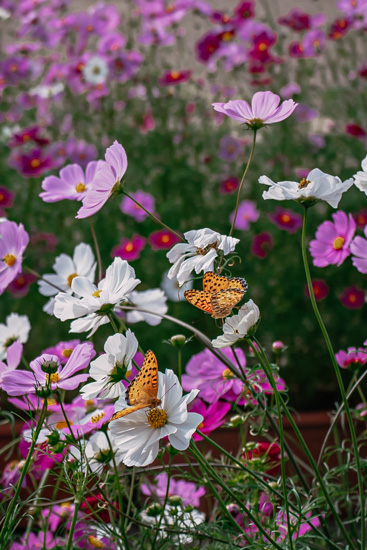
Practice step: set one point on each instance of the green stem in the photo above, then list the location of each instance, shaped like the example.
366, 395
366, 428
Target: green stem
113, 322
35, 503
98, 253
77, 503
339, 379
41, 278
179, 361
165, 500
157, 220
265, 363
242, 182
4, 534
130, 495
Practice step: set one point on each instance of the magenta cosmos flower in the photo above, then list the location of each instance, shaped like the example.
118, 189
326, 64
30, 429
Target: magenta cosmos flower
264, 109
246, 214
130, 207
22, 382
358, 248
106, 181
189, 492
320, 289
286, 219
13, 242
351, 359
72, 184
170, 78
213, 416
353, 298
229, 185
129, 249
163, 239
331, 245
262, 244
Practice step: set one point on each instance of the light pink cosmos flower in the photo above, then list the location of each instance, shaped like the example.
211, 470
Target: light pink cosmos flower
358, 248
351, 359
130, 207
72, 184
264, 109
22, 382
13, 357
105, 182
189, 492
62, 350
246, 214
13, 242
331, 245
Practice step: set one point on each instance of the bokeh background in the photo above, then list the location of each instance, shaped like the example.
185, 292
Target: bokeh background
158, 66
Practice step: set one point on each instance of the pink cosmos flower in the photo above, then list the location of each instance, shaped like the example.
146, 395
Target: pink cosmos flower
304, 113
13, 242
351, 359
358, 248
264, 109
19, 287
105, 182
31, 164
299, 527
39, 540
320, 289
331, 245
229, 185
6, 198
174, 77
246, 214
80, 151
62, 350
130, 207
189, 492
13, 357
213, 416
26, 135
23, 382
262, 244
72, 184
163, 239
229, 148
299, 20
286, 219
129, 249
353, 298
361, 218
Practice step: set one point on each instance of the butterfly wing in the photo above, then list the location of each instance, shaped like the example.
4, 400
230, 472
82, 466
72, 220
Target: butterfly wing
214, 283
200, 299
224, 301
142, 391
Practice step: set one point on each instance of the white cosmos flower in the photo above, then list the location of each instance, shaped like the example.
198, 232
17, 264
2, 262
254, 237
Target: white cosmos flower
16, 327
182, 518
96, 451
316, 187
110, 368
95, 70
199, 254
152, 300
238, 326
48, 91
137, 434
90, 309
66, 269
360, 178
173, 290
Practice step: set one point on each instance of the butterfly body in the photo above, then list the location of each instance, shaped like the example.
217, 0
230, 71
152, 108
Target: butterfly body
142, 391
219, 294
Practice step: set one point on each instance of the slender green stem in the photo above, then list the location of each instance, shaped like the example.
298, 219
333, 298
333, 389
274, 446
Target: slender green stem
242, 182
261, 357
77, 503
339, 379
113, 323
132, 483
4, 534
98, 253
35, 503
41, 278
157, 220
165, 500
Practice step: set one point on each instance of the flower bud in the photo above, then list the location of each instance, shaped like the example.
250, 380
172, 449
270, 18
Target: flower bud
49, 367
278, 346
21, 465
154, 510
175, 500
178, 340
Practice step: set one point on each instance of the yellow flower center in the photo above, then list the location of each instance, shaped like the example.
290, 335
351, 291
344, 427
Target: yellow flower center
9, 259
175, 75
285, 218
226, 36
303, 183
263, 47
35, 163
227, 373
65, 504
96, 543
128, 374
80, 187
54, 377
201, 425
62, 424
97, 293
129, 247
97, 417
71, 277
67, 352
157, 418
13, 68
338, 243
165, 238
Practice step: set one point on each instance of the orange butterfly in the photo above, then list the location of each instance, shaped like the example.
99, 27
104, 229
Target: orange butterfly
219, 294
142, 391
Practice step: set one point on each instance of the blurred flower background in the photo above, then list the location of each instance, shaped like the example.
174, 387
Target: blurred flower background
76, 76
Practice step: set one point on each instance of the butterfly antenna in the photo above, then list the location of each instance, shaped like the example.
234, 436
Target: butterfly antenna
169, 389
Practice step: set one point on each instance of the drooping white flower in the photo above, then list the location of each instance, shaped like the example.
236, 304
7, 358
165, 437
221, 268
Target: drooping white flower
95, 70
16, 327
137, 434
110, 368
172, 289
360, 178
152, 300
238, 326
318, 186
89, 311
204, 245
97, 453
66, 269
